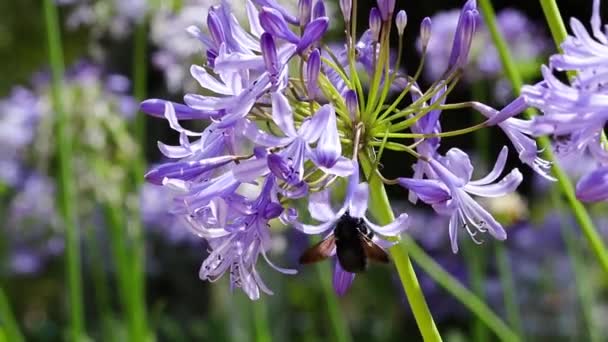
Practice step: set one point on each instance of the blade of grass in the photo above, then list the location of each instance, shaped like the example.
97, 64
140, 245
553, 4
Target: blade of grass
68, 201
8, 321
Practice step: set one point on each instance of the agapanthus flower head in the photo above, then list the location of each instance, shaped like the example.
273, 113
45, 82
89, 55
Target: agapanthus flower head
291, 118
574, 112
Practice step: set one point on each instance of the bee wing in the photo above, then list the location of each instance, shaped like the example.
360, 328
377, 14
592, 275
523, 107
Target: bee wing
319, 251
373, 251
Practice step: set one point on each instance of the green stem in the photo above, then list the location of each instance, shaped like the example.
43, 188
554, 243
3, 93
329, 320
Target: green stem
140, 63
555, 22
100, 282
566, 186
124, 276
505, 275
260, 321
461, 293
7, 319
381, 209
583, 286
338, 323
65, 178
475, 265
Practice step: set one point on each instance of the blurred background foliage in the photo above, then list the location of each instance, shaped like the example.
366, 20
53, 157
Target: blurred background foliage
557, 296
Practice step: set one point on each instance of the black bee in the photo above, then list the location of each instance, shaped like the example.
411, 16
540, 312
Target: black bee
352, 240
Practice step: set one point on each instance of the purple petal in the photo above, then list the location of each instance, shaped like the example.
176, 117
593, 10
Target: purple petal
185, 170
499, 166
313, 33
269, 52
273, 22
593, 187
506, 185
342, 168
342, 279
313, 229
282, 114
357, 205
319, 206
156, 107
209, 82
249, 170
453, 231
329, 148
394, 228
430, 191
313, 67
312, 128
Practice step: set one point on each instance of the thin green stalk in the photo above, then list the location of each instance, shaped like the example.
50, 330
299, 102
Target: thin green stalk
461, 293
381, 209
505, 274
482, 142
565, 185
260, 321
140, 63
475, 266
122, 264
65, 177
583, 286
100, 282
555, 22
338, 323
7, 319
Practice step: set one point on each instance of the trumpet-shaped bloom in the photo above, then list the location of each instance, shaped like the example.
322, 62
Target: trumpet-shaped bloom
450, 193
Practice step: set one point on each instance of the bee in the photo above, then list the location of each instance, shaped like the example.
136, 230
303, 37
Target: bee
352, 242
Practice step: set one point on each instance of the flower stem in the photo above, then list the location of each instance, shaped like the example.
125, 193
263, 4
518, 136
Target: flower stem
475, 266
65, 178
583, 286
566, 186
507, 283
140, 64
381, 209
461, 293
338, 322
7, 319
260, 321
555, 22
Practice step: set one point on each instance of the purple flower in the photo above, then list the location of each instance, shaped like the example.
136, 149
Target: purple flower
593, 187
355, 205
450, 193
237, 231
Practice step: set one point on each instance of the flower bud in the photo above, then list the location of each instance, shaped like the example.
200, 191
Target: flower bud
401, 22
273, 22
313, 67
305, 11
352, 103
425, 32
319, 10
375, 23
269, 52
387, 8
215, 28
346, 6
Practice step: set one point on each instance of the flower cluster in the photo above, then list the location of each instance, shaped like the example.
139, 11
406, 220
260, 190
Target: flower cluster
575, 112
292, 117
98, 108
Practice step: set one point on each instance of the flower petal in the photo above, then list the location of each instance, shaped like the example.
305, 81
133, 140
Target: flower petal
357, 205
313, 229
282, 114
506, 185
342, 280
394, 228
430, 191
499, 166
593, 187
319, 206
